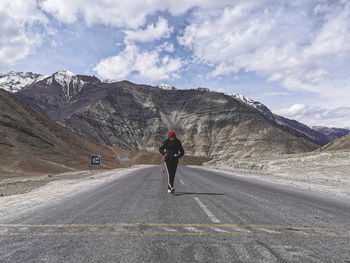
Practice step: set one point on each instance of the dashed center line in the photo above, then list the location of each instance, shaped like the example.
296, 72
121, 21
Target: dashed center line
207, 211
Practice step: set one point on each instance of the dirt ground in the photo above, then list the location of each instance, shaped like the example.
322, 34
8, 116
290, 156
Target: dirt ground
24, 183
326, 172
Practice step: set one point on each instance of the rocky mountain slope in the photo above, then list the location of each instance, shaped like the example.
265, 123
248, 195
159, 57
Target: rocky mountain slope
332, 133
316, 136
132, 116
342, 143
32, 143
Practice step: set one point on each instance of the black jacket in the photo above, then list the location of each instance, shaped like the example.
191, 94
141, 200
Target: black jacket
172, 150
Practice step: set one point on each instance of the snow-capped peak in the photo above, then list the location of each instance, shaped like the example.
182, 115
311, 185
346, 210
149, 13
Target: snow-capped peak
244, 99
254, 104
65, 73
69, 82
64, 77
15, 81
166, 87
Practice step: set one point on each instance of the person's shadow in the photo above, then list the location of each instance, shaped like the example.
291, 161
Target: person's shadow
192, 193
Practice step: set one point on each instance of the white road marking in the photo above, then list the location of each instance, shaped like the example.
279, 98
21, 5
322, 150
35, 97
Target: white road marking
193, 229
181, 182
22, 229
216, 229
269, 230
119, 229
207, 211
241, 230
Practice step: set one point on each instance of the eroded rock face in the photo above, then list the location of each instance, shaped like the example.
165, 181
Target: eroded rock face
131, 116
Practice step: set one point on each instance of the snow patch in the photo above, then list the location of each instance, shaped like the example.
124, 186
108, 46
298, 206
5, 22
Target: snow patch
166, 87
69, 82
110, 81
15, 81
42, 78
245, 100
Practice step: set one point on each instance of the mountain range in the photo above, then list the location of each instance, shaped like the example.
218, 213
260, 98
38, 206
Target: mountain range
138, 117
331, 132
15, 81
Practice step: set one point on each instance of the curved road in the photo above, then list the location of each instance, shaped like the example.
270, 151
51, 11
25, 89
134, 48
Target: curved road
213, 217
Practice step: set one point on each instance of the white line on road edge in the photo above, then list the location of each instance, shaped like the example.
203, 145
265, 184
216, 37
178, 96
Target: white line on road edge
181, 182
206, 210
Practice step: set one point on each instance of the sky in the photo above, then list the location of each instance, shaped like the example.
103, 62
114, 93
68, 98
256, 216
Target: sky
292, 56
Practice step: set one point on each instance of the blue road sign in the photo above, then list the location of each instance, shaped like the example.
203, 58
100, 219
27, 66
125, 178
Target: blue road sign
96, 160
125, 159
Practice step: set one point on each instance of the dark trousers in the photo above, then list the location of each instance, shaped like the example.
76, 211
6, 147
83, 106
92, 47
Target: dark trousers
170, 167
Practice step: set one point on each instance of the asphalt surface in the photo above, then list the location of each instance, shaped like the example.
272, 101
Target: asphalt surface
213, 217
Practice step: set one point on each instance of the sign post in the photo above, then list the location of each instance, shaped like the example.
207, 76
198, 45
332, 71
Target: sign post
125, 159
96, 160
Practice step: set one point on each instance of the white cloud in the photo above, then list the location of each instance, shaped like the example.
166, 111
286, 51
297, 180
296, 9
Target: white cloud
119, 66
166, 46
15, 42
151, 33
148, 65
121, 13
302, 45
314, 116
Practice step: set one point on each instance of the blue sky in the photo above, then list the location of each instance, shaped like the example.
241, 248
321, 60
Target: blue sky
293, 56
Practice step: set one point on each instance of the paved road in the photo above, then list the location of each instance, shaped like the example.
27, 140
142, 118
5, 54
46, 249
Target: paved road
213, 217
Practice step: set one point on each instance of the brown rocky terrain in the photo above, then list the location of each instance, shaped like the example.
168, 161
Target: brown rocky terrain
342, 143
138, 117
31, 143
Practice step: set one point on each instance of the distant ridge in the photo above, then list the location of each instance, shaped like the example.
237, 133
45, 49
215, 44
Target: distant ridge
331, 132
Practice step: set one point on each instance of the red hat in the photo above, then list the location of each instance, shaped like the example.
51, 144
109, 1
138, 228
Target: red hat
171, 134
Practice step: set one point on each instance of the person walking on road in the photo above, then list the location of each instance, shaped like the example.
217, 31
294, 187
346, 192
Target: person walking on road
172, 150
